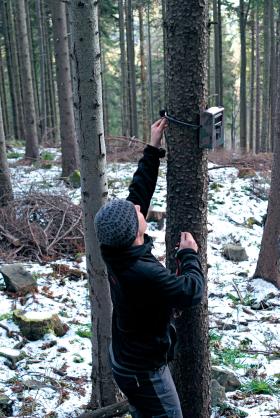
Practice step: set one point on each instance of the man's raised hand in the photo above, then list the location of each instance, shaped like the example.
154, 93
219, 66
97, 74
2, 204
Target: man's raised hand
157, 130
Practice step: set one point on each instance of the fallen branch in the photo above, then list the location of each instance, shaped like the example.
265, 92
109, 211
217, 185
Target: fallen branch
41, 227
238, 292
265, 353
10, 333
10, 237
221, 166
115, 410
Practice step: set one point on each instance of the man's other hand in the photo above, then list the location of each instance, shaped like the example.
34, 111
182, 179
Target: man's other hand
187, 241
157, 130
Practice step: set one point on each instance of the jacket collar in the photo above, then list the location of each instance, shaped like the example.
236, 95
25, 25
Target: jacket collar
118, 257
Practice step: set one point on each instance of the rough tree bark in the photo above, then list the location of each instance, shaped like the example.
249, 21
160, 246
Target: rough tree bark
268, 265
258, 86
273, 78
69, 146
43, 108
145, 124
266, 79
6, 192
243, 15
123, 65
218, 52
252, 83
186, 26
90, 131
12, 68
131, 70
150, 62
51, 90
3, 97
31, 145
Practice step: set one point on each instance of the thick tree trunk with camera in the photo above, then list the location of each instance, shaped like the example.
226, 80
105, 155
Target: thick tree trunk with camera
268, 266
90, 131
69, 147
31, 147
6, 193
186, 81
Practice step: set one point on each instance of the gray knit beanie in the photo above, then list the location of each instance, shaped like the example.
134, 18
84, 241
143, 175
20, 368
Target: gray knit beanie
116, 223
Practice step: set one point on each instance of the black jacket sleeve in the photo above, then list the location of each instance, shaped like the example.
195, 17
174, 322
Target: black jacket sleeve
144, 180
184, 290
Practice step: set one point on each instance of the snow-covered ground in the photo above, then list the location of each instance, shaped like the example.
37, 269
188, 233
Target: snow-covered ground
53, 379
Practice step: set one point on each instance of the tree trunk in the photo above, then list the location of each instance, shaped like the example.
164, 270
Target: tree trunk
105, 94
268, 266
124, 98
131, 70
163, 8
258, 87
31, 147
243, 63
8, 53
273, 78
52, 116
150, 65
6, 193
11, 16
69, 146
42, 42
266, 78
145, 124
90, 131
252, 83
187, 188
218, 52
220, 43
33, 58
3, 96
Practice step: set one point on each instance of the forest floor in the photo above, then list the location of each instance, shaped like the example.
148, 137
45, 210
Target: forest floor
53, 377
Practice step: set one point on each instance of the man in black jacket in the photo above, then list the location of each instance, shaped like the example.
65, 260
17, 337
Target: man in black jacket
144, 292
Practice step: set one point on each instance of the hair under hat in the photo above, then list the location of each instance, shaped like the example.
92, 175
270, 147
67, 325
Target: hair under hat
116, 223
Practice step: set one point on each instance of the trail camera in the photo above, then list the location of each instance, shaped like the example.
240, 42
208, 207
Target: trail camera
211, 133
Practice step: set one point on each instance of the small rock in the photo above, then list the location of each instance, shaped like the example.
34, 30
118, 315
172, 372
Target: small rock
225, 326
243, 274
258, 306
11, 354
34, 325
218, 394
244, 173
234, 252
225, 378
17, 279
6, 405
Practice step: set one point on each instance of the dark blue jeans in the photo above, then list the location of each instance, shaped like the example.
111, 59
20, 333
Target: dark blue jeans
151, 394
